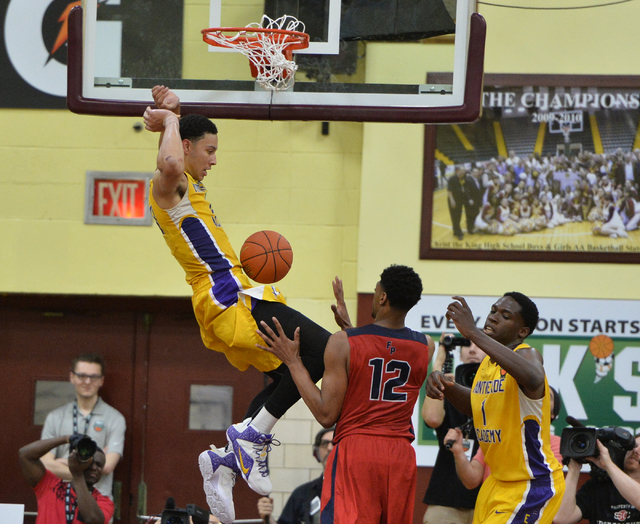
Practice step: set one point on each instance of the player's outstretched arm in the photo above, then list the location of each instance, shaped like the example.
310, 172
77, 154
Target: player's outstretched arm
339, 309
325, 404
169, 175
440, 386
525, 365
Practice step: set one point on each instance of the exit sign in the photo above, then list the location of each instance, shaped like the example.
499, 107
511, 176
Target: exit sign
117, 198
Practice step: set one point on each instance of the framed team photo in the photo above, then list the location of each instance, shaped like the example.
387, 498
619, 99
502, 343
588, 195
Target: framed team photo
550, 172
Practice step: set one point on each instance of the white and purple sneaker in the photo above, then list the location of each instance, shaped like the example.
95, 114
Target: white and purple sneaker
251, 448
219, 470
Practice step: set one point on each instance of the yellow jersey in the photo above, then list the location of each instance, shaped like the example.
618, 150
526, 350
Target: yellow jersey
512, 429
222, 293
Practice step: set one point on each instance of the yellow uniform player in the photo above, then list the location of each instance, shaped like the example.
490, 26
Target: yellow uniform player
509, 402
228, 309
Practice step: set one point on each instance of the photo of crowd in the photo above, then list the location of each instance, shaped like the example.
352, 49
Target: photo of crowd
525, 178
506, 196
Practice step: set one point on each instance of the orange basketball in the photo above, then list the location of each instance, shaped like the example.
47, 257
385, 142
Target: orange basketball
601, 346
266, 257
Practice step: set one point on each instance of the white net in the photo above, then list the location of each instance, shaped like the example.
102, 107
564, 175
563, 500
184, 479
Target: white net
266, 50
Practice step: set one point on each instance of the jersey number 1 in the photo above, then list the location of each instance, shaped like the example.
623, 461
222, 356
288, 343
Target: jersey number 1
387, 389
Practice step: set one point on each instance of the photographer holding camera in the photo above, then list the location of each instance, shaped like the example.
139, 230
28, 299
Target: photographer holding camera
449, 501
61, 502
90, 415
603, 501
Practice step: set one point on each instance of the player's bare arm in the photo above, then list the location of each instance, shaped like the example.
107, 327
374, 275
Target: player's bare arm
164, 98
525, 365
440, 386
339, 309
325, 404
169, 180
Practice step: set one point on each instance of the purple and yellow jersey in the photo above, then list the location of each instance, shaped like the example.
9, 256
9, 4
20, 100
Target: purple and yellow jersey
222, 293
512, 429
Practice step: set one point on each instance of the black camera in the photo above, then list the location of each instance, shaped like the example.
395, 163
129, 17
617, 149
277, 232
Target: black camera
84, 446
181, 516
580, 443
449, 342
465, 373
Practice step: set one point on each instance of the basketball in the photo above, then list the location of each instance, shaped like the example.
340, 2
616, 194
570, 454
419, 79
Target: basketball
266, 257
601, 346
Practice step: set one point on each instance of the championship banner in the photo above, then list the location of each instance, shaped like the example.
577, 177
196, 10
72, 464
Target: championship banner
33, 47
550, 172
591, 351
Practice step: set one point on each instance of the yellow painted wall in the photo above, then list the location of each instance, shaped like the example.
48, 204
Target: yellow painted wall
348, 202
284, 176
588, 41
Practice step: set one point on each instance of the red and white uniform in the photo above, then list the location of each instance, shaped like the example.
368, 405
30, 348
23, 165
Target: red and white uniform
372, 461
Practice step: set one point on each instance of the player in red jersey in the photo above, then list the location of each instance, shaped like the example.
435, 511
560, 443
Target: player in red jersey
372, 378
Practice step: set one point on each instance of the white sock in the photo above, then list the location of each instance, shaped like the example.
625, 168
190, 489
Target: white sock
264, 421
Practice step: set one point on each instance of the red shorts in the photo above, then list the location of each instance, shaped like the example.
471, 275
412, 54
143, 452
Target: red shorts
369, 479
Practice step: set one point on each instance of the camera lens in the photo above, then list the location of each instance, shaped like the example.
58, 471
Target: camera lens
579, 443
86, 448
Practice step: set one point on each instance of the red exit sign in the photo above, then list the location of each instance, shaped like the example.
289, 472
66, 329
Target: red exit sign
118, 198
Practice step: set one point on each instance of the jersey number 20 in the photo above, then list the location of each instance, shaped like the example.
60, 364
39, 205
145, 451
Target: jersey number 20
386, 391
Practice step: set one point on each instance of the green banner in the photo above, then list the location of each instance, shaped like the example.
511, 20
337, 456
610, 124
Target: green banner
591, 352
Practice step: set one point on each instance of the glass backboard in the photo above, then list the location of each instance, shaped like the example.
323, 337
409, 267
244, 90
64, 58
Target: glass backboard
366, 60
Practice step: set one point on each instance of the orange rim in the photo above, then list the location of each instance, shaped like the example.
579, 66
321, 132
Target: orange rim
294, 39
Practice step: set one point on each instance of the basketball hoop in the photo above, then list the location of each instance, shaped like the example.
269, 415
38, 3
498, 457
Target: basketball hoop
566, 131
268, 45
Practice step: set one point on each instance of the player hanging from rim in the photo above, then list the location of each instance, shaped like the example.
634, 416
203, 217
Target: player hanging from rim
227, 307
509, 402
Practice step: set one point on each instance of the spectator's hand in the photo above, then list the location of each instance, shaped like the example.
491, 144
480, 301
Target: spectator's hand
339, 309
574, 465
437, 382
441, 354
604, 460
265, 507
164, 98
444, 334
454, 437
76, 467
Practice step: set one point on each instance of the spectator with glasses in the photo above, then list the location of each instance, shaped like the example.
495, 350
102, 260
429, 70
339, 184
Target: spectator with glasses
303, 506
89, 415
